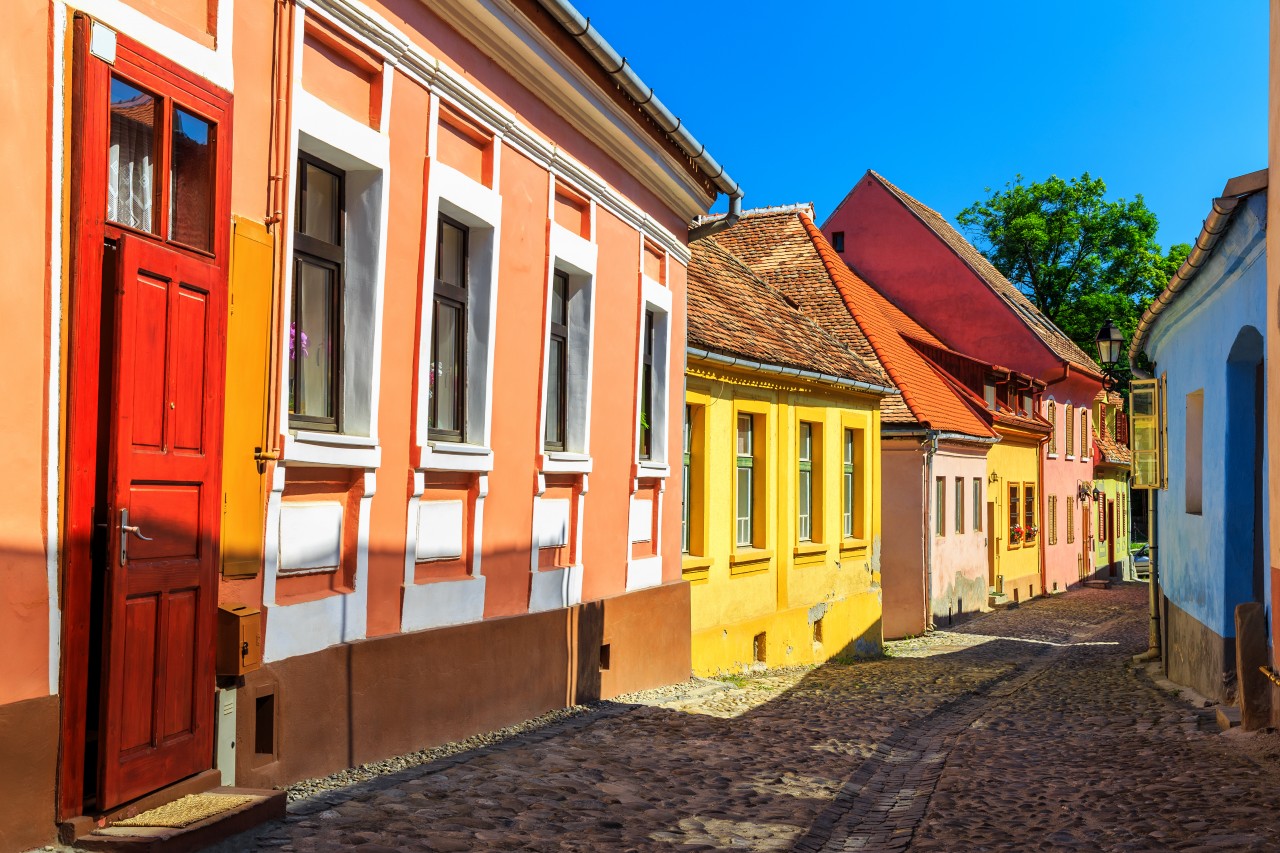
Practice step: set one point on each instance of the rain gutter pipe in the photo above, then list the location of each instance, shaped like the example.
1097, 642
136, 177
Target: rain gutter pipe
794, 372
616, 67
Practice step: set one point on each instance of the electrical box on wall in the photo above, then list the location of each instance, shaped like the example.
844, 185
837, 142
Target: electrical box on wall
239, 639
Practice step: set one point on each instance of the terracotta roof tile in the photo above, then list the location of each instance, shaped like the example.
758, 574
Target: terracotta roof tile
1108, 450
792, 253
734, 312
1044, 328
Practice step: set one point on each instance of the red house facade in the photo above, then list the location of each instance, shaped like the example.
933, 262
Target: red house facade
926, 268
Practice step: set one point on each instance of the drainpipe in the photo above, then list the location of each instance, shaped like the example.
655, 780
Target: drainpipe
616, 67
931, 438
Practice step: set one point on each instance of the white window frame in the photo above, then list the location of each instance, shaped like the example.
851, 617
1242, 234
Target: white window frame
575, 257
479, 208
364, 155
654, 297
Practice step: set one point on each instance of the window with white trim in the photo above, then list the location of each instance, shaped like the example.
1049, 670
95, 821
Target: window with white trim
745, 503
447, 386
568, 361
653, 382
848, 485
805, 483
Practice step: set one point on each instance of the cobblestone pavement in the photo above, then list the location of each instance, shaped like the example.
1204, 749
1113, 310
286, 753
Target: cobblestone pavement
1023, 730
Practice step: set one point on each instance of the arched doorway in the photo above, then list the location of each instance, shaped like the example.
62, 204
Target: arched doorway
1243, 472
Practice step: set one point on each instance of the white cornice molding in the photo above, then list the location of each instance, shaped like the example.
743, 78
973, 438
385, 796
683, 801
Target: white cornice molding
596, 118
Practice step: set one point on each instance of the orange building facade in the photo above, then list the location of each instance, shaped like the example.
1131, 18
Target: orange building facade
365, 316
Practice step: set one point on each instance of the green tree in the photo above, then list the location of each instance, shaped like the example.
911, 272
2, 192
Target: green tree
1080, 258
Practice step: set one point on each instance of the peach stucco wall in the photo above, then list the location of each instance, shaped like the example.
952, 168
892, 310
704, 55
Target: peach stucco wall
24, 351
959, 575
902, 574
388, 513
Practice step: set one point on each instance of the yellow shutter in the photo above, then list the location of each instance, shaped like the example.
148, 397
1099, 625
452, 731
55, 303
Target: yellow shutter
248, 340
1146, 433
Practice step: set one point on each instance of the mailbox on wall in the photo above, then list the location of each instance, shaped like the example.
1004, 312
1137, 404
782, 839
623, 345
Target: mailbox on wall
239, 639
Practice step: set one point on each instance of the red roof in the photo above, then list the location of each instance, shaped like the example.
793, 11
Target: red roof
732, 311
787, 250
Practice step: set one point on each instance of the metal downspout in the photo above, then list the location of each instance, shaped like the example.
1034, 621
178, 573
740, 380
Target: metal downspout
932, 438
616, 66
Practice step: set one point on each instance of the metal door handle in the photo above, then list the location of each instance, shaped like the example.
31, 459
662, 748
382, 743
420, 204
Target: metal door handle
125, 530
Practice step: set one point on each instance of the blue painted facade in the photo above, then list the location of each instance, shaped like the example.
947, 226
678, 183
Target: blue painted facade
1210, 341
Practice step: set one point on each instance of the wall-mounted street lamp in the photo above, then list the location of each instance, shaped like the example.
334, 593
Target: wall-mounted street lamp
1110, 344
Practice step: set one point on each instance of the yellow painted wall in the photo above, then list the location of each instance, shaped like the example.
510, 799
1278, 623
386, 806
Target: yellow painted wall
780, 586
1014, 459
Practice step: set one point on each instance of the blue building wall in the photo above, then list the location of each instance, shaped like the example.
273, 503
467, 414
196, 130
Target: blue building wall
1209, 339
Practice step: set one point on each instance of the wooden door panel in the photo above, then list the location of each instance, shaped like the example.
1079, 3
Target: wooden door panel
162, 588
147, 368
189, 369
141, 628
172, 513
177, 687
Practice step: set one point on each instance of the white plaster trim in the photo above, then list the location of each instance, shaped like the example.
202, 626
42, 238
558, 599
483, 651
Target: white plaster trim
573, 253
354, 147
563, 462
315, 453
439, 79
310, 536
53, 530
309, 626
655, 296
552, 589
213, 64
438, 603
644, 573
479, 208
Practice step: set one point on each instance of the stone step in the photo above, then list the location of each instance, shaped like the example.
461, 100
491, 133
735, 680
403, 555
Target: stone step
264, 806
1228, 716
1098, 583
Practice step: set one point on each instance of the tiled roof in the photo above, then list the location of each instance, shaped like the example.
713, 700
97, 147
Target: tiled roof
734, 312
1110, 451
787, 250
1044, 328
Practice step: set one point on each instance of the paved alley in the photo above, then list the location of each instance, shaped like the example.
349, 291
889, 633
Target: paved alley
1023, 730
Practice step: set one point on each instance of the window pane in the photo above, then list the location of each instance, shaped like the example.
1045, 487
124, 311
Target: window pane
555, 390
848, 447
446, 367
848, 504
959, 505
191, 181
131, 157
313, 348
806, 442
806, 506
977, 504
744, 506
320, 217
560, 299
451, 255
744, 435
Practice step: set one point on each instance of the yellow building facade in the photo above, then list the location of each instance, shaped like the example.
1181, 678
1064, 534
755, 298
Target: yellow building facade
782, 531
1013, 513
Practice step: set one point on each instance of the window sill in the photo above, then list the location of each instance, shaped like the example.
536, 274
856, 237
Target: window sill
695, 568
646, 470
564, 462
332, 449
853, 545
455, 456
750, 561
809, 549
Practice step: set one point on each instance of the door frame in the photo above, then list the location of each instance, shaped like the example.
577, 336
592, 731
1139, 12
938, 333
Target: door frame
90, 125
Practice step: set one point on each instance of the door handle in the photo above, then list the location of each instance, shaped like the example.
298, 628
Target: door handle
125, 530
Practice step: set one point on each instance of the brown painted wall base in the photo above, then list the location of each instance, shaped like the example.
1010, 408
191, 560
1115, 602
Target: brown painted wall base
1197, 656
347, 705
28, 773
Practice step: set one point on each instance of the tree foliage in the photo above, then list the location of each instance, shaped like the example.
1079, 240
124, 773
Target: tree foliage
1080, 258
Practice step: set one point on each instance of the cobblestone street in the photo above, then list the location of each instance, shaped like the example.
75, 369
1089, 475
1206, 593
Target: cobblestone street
1024, 730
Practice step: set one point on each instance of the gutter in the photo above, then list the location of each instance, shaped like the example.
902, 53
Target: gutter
938, 435
617, 68
795, 372
1214, 227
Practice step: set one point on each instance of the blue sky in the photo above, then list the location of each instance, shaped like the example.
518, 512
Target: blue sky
1160, 97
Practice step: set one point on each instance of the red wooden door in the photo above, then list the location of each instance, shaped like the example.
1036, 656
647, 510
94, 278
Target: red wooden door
164, 476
